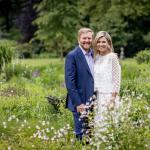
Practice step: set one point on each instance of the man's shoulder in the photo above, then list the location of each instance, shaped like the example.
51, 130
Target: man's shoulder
74, 51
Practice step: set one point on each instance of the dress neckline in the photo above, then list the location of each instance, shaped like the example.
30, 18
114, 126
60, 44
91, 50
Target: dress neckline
105, 55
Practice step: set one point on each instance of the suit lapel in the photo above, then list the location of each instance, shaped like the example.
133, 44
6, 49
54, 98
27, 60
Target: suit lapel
83, 60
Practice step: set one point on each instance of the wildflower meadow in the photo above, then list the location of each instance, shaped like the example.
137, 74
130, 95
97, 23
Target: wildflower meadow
30, 121
35, 38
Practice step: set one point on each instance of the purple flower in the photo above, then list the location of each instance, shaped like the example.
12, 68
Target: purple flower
36, 73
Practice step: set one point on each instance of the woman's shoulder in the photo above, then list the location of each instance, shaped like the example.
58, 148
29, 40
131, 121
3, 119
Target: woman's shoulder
96, 57
113, 55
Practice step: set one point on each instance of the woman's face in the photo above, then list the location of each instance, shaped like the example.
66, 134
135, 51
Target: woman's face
102, 45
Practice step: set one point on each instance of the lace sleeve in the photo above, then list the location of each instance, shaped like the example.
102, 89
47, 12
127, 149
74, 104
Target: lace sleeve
116, 74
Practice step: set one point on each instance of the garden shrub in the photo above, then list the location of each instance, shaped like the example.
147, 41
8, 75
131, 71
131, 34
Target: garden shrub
6, 52
31, 50
24, 50
51, 75
17, 70
143, 56
130, 71
135, 77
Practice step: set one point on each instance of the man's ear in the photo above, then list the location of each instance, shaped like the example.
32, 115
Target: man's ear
78, 42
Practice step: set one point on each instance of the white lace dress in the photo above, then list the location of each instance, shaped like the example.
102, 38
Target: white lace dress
107, 76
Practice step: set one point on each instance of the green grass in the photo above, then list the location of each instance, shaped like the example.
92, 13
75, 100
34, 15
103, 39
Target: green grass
39, 62
25, 99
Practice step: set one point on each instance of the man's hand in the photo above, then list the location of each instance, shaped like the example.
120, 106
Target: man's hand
80, 108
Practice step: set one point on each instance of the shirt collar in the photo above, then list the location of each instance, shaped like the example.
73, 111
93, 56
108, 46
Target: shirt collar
86, 53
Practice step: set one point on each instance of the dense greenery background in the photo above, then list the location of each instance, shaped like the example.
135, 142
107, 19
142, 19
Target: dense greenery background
47, 28
51, 25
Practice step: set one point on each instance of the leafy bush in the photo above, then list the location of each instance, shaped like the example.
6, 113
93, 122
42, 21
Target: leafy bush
25, 50
135, 77
50, 75
143, 56
6, 52
130, 71
31, 50
17, 70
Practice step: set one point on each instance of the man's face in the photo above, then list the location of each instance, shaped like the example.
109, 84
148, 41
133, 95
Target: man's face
85, 40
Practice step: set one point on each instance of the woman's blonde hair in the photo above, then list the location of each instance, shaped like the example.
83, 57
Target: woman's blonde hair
98, 36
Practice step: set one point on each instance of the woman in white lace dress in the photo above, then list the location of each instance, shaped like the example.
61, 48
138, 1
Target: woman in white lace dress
107, 76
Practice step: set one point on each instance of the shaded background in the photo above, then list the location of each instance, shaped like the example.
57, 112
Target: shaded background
50, 26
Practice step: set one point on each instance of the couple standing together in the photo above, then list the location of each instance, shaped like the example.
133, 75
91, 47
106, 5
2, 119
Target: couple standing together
88, 70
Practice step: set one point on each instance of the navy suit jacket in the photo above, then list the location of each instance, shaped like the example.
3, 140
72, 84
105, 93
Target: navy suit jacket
78, 78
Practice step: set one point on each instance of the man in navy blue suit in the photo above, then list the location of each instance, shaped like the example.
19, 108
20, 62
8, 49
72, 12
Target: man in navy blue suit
79, 80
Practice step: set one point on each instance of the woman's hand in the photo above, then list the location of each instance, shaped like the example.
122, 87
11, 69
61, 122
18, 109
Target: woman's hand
111, 104
114, 94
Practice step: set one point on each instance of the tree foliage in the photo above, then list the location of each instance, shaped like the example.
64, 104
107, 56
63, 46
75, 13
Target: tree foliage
16, 18
57, 21
57, 24
125, 20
